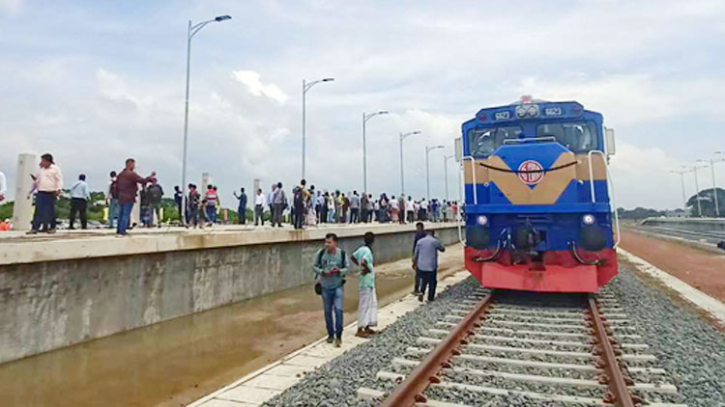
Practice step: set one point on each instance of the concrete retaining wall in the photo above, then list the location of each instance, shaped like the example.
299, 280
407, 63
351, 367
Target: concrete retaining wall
716, 225
46, 305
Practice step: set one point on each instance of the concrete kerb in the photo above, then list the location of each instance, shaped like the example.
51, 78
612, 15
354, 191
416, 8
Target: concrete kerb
711, 306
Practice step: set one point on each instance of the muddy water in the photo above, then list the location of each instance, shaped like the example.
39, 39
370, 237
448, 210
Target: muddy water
176, 362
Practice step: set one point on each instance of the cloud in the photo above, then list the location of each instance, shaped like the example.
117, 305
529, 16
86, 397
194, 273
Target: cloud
643, 177
252, 80
12, 6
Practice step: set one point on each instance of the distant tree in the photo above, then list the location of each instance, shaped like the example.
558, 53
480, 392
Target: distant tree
707, 202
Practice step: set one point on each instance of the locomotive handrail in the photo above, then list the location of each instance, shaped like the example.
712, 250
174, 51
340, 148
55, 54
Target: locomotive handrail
610, 191
473, 171
457, 217
523, 140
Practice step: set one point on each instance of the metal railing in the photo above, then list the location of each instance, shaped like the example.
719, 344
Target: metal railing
610, 189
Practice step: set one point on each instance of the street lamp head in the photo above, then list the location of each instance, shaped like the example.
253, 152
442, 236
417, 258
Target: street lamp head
328, 79
415, 132
383, 112
223, 18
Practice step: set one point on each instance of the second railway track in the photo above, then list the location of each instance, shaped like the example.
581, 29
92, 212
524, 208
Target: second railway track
537, 349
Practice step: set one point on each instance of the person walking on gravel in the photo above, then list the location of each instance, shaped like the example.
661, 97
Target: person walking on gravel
419, 234
330, 269
367, 310
425, 262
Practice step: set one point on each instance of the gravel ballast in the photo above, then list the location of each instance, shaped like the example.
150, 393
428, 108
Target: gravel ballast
688, 347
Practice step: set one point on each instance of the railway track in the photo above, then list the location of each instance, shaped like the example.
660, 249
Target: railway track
538, 349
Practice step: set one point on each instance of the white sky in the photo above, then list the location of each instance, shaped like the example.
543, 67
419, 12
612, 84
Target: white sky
95, 82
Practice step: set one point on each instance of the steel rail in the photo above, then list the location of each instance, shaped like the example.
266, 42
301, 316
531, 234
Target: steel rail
618, 391
410, 391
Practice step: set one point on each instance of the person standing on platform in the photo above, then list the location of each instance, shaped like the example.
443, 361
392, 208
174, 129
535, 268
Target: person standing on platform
345, 207
79, 197
402, 210
354, 207
270, 201
299, 199
242, 209
128, 182
193, 203
330, 270
3, 186
278, 205
49, 184
112, 200
410, 210
179, 199
259, 201
364, 208
367, 310
210, 198
320, 208
425, 262
331, 208
154, 195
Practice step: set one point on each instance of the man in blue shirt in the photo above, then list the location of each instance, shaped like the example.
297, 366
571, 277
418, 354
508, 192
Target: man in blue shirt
425, 262
79, 197
330, 269
242, 209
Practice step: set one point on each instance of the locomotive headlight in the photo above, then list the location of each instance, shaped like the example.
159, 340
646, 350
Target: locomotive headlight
521, 111
588, 219
482, 220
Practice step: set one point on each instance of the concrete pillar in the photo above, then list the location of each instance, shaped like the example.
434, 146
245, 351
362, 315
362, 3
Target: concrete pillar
257, 186
23, 207
205, 181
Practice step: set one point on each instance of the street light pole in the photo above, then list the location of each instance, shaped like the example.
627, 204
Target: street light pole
445, 171
697, 191
427, 169
366, 117
712, 162
190, 33
305, 87
682, 181
402, 175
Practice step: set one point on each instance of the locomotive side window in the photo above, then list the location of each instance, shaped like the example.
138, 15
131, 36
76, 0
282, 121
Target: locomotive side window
482, 142
578, 137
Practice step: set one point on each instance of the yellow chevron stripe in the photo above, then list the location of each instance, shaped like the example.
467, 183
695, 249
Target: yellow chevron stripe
548, 191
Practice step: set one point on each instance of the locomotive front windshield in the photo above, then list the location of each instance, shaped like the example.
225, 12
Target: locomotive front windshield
484, 141
579, 137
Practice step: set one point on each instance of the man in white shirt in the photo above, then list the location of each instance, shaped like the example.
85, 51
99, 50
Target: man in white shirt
259, 202
423, 210
79, 197
3, 186
410, 210
49, 184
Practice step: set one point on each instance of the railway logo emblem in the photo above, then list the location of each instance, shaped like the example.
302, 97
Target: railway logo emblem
531, 172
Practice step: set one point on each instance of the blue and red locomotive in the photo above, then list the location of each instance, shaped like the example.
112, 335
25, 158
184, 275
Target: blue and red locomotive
538, 214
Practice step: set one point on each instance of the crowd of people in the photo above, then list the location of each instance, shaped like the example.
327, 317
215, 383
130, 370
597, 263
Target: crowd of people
304, 207
310, 207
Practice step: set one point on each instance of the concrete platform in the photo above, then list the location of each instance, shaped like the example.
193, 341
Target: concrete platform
18, 248
63, 289
260, 386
